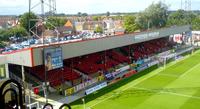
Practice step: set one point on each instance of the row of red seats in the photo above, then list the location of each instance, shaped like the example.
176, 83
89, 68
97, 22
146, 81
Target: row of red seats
118, 57
148, 48
97, 62
57, 76
110, 63
87, 64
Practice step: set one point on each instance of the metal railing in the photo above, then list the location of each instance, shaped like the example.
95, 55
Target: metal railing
17, 102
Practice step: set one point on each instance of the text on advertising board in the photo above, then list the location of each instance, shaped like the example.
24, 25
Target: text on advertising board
53, 58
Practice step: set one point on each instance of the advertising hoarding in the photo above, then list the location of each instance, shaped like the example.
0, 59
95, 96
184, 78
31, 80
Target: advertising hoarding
95, 88
53, 58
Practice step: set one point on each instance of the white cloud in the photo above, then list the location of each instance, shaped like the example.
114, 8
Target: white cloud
12, 3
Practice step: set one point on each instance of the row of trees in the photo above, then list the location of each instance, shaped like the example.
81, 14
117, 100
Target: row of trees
17, 31
157, 15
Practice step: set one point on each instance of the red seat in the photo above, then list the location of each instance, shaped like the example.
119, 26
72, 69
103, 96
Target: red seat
57, 76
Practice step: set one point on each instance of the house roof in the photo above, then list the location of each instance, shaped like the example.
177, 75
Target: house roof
68, 24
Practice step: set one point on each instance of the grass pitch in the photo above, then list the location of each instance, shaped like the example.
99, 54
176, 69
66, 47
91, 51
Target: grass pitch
175, 87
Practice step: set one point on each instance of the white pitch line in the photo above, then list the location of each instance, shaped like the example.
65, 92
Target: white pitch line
124, 89
171, 93
169, 75
188, 71
140, 81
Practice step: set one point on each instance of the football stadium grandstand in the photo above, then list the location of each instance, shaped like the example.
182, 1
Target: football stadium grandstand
70, 72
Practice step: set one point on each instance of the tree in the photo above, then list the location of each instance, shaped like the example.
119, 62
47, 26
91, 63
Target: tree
84, 14
180, 17
96, 18
177, 18
15, 31
79, 14
130, 24
118, 17
108, 14
153, 16
190, 16
18, 31
98, 29
2, 32
49, 13
2, 44
25, 18
196, 23
5, 34
53, 22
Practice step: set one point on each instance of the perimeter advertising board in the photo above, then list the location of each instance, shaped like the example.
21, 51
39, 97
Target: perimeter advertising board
53, 58
95, 88
178, 38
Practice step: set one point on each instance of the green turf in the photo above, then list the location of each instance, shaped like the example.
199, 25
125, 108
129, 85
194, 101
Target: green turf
176, 87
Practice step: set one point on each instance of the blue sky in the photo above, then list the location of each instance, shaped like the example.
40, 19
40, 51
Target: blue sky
17, 7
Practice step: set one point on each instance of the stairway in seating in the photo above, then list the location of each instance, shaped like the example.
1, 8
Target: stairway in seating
18, 79
82, 74
33, 78
15, 77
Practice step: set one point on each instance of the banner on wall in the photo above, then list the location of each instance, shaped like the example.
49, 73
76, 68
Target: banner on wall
178, 38
109, 76
83, 85
53, 58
